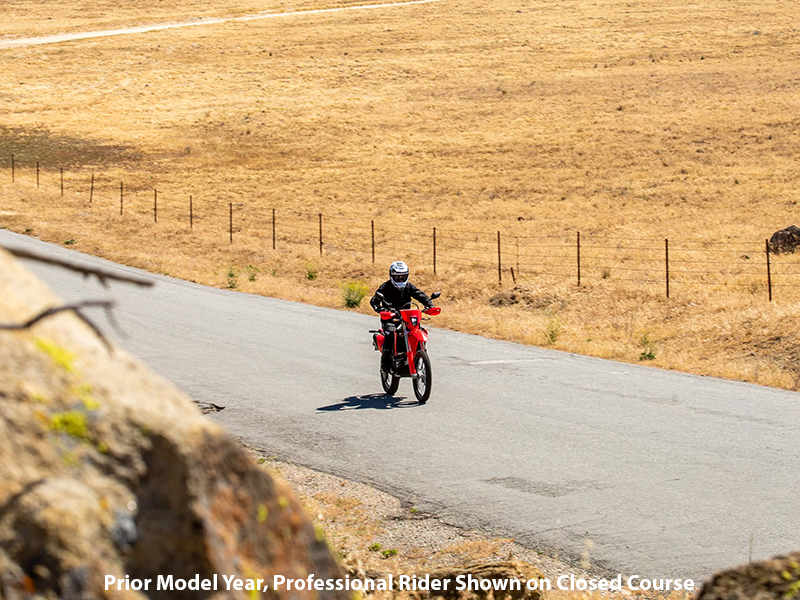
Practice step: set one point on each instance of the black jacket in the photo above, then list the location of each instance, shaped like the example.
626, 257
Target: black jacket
396, 298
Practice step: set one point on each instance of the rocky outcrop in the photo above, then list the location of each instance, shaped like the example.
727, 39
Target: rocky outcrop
775, 579
785, 241
107, 470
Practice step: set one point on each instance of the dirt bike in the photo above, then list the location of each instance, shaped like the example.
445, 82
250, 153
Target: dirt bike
409, 356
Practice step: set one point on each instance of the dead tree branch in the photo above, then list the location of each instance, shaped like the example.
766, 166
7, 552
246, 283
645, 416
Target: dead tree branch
76, 308
103, 276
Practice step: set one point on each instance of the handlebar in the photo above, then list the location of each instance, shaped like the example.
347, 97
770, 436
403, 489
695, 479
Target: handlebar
385, 307
433, 310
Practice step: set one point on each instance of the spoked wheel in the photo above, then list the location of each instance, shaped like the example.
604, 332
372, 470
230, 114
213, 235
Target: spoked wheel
389, 382
423, 378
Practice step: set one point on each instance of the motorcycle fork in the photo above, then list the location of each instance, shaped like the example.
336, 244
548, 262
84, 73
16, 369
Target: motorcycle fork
411, 345
409, 348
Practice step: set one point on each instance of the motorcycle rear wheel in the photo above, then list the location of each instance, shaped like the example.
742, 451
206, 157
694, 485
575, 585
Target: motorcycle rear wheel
424, 378
390, 382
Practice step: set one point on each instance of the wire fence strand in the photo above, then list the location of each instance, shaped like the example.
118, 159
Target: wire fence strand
732, 263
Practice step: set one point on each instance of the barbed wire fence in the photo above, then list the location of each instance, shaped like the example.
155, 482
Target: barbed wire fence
669, 264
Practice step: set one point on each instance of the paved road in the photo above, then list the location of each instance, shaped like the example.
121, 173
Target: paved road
668, 475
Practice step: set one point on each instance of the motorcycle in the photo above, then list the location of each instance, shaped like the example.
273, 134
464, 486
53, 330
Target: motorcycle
409, 356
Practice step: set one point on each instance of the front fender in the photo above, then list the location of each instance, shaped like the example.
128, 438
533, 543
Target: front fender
420, 335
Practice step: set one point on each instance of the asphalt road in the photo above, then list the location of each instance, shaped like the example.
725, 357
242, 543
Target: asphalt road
656, 473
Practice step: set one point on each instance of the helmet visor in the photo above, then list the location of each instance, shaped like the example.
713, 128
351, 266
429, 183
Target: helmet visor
400, 277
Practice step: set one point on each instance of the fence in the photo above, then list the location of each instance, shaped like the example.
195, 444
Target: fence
513, 255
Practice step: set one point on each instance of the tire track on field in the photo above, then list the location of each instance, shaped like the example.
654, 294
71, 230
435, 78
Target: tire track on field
69, 37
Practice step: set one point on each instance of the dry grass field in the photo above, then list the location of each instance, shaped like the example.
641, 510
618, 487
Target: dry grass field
629, 121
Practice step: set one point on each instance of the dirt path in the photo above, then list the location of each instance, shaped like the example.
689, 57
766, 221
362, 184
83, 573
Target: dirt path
68, 37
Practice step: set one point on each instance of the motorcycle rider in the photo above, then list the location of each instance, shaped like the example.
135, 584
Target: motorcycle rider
396, 293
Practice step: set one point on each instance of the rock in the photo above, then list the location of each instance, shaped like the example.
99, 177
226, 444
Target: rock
786, 240
499, 571
777, 578
107, 469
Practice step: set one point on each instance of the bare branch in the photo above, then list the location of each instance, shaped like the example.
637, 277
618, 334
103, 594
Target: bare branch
102, 275
76, 308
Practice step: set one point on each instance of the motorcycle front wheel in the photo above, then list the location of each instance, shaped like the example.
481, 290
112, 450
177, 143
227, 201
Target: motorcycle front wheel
389, 382
423, 378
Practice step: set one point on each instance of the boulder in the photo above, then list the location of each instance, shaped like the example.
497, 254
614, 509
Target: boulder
777, 578
785, 241
106, 469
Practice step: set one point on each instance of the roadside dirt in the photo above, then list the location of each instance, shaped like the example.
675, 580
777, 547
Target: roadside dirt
375, 531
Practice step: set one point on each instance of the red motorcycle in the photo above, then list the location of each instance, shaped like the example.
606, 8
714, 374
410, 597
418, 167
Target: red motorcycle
409, 356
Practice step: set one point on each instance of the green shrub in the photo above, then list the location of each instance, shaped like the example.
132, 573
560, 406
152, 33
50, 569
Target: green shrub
311, 271
648, 348
353, 292
552, 330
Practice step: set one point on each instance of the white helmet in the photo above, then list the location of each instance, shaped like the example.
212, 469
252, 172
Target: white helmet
398, 273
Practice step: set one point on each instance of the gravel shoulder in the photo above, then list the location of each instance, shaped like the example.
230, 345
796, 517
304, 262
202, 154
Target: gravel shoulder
375, 531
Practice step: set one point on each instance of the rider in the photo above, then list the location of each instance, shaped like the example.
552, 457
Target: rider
397, 293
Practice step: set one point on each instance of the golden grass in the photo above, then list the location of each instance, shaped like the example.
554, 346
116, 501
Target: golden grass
26, 19
472, 551
636, 121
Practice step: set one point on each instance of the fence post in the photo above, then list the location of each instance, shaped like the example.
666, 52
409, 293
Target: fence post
372, 223
769, 273
37, 173
516, 240
230, 225
666, 261
579, 258
62, 181
191, 212
121, 194
12, 169
320, 234
273, 229
434, 250
499, 262
155, 206
91, 189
